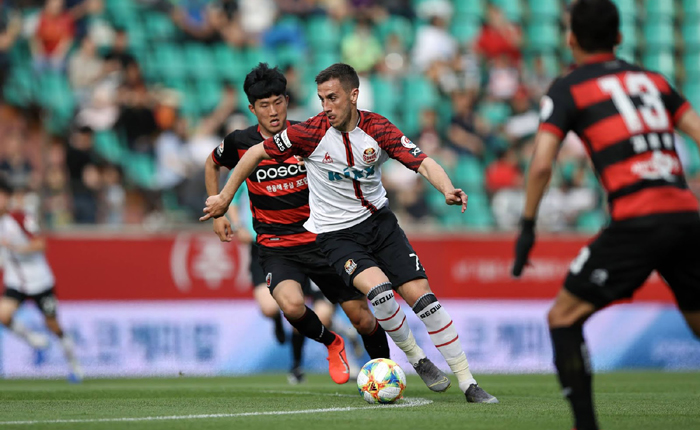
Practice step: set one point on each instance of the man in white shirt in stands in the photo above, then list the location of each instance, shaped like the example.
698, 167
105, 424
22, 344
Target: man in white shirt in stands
27, 275
343, 149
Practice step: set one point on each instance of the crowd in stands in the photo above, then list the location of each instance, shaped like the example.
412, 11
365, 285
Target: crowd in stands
110, 107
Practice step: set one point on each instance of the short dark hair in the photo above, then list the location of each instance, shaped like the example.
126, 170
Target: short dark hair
596, 24
263, 82
5, 186
343, 72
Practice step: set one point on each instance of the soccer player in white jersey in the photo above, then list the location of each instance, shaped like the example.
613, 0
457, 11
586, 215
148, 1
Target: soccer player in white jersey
27, 275
343, 149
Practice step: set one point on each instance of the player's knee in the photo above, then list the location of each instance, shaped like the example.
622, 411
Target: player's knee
270, 311
5, 319
364, 322
292, 306
562, 317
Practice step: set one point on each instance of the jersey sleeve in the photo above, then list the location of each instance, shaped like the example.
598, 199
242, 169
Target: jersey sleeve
675, 103
395, 143
557, 110
226, 154
299, 139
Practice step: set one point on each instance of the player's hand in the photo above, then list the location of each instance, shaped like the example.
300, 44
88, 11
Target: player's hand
222, 228
300, 160
216, 206
457, 197
523, 246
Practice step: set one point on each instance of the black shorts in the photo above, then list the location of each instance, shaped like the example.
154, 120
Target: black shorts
256, 271
304, 264
616, 263
46, 301
376, 242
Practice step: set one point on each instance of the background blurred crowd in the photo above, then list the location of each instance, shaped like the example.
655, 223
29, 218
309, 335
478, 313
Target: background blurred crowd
110, 107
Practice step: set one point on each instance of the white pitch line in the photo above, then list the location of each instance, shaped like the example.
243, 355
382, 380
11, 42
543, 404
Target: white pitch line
308, 393
407, 403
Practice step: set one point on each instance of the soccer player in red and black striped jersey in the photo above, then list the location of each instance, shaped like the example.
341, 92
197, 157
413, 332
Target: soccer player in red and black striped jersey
625, 116
288, 254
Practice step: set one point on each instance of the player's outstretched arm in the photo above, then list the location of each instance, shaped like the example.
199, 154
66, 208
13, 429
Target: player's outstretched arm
689, 123
437, 176
217, 205
546, 148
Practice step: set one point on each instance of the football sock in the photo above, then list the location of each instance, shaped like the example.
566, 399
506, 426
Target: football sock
297, 348
376, 344
393, 320
310, 326
444, 336
573, 367
20, 330
69, 352
279, 328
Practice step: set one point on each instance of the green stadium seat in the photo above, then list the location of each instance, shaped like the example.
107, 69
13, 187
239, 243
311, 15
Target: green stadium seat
478, 215
323, 34
475, 9
396, 25
465, 29
159, 27
386, 96
660, 61
494, 112
469, 174
544, 35
659, 9
659, 34
323, 59
230, 63
691, 34
691, 91
420, 92
690, 10
629, 35
545, 9
691, 64
208, 93
169, 61
591, 221
107, 145
626, 53
627, 8
19, 87
693, 162
140, 169
200, 62
512, 9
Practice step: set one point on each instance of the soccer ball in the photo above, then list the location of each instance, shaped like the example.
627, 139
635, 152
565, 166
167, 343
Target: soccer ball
381, 381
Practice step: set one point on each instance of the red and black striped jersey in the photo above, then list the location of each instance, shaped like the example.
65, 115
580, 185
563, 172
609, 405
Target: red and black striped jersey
625, 116
278, 191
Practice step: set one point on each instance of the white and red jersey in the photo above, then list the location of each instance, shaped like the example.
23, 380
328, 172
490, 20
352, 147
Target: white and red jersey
344, 168
26, 273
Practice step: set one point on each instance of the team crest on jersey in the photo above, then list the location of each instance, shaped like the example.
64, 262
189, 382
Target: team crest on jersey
350, 266
327, 159
220, 149
370, 155
268, 280
406, 142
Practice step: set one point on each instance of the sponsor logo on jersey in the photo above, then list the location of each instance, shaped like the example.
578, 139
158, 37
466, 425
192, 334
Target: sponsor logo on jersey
265, 173
282, 141
659, 166
351, 173
350, 266
416, 152
327, 159
406, 142
268, 280
370, 155
220, 149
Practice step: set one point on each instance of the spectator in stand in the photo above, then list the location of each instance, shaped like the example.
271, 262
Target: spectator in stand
14, 165
53, 38
504, 173
504, 78
56, 200
196, 18
136, 118
539, 80
465, 131
118, 58
361, 49
498, 37
10, 28
80, 10
85, 69
524, 120
434, 41
113, 197
225, 18
256, 16
84, 175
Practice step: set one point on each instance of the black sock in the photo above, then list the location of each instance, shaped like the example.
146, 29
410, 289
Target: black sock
310, 326
573, 366
376, 344
279, 328
297, 348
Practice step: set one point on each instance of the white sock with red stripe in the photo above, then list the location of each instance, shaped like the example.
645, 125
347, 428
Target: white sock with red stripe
444, 335
393, 320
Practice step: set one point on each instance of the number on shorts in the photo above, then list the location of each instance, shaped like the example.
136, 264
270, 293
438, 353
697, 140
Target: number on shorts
417, 261
580, 260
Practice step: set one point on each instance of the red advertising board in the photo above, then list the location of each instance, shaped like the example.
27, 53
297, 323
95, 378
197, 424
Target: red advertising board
198, 266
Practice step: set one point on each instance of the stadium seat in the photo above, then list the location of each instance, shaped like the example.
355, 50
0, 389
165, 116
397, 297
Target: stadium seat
626, 53
107, 145
659, 9
629, 35
691, 64
208, 93
691, 90
474, 9
169, 61
469, 174
544, 35
323, 34
690, 10
478, 215
397, 25
420, 92
691, 34
659, 34
140, 169
591, 221
627, 8
545, 9
512, 9
386, 96
159, 27
229, 62
200, 62
465, 29
660, 61
494, 112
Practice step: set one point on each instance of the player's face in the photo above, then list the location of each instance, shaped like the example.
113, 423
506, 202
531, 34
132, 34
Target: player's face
271, 113
338, 104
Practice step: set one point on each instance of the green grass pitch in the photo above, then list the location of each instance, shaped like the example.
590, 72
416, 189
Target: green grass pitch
625, 401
